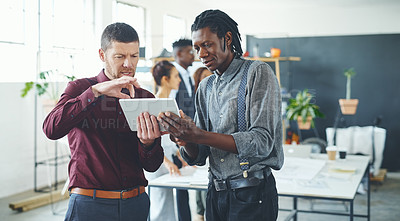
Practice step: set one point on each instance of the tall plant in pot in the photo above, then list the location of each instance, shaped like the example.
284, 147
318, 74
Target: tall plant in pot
303, 110
348, 106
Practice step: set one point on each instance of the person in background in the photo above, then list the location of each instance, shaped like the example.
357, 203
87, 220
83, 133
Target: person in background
107, 158
238, 124
184, 57
199, 75
161, 199
184, 96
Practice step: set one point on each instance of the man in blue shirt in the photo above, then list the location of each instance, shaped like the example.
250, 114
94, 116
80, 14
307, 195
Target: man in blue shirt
238, 124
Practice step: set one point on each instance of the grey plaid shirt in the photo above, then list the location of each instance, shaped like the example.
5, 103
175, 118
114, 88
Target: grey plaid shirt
261, 144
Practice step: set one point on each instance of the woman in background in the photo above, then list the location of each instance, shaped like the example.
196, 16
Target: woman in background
199, 75
162, 205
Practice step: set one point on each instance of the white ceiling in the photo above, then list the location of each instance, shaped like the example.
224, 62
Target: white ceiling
240, 5
308, 17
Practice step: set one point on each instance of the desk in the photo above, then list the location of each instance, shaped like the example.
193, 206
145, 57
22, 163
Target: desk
330, 186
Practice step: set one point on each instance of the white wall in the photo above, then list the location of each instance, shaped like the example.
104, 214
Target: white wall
17, 143
269, 19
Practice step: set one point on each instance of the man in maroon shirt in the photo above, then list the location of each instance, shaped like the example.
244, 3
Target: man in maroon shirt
107, 158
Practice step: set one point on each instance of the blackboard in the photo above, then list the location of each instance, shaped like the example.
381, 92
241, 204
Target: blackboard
375, 58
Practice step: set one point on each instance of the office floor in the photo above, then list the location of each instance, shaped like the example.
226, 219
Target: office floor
385, 201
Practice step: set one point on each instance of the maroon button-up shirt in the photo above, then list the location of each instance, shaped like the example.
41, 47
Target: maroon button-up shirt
105, 153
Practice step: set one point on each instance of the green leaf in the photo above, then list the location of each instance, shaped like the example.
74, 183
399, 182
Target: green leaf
42, 75
349, 72
27, 88
42, 85
70, 78
41, 89
301, 106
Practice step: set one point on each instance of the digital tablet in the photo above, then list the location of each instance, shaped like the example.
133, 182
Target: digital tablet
133, 107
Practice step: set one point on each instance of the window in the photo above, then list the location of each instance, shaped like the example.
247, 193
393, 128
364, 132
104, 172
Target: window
174, 29
65, 38
61, 29
133, 16
12, 21
45, 33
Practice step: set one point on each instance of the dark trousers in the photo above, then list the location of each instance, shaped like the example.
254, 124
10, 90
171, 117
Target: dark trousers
201, 202
182, 201
249, 203
85, 208
182, 198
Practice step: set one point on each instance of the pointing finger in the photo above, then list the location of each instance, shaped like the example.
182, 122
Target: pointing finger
131, 90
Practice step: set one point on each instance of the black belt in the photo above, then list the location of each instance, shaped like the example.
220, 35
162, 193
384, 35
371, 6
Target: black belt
253, 179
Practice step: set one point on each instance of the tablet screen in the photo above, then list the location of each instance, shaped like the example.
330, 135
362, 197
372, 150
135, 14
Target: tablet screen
133, 107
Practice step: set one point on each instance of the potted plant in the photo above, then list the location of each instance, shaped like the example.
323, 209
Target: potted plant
348, 106
46, 85
303, 110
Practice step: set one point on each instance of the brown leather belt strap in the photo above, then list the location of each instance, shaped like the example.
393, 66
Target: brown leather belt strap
124, 194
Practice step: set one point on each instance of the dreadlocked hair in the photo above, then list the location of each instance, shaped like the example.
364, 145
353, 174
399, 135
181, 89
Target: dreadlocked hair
220, 23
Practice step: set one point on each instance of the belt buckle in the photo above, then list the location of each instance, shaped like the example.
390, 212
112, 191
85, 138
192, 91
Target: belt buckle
122, 194
219, 185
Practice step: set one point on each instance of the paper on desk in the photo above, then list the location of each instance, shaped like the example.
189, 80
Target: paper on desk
314, 183
342, 169
189, 175
335, 175
200, 177
299, 168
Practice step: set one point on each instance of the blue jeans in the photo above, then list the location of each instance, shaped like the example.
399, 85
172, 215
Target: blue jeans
85, 208
250, 203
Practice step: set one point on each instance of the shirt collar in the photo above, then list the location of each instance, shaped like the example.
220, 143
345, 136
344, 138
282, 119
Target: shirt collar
233, 69
101, 77
180, 69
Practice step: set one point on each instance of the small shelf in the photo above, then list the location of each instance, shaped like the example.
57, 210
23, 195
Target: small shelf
276, 61
264, 59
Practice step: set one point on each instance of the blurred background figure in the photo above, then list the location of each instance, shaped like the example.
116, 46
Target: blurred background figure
162, 207
199, 75
184, 96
